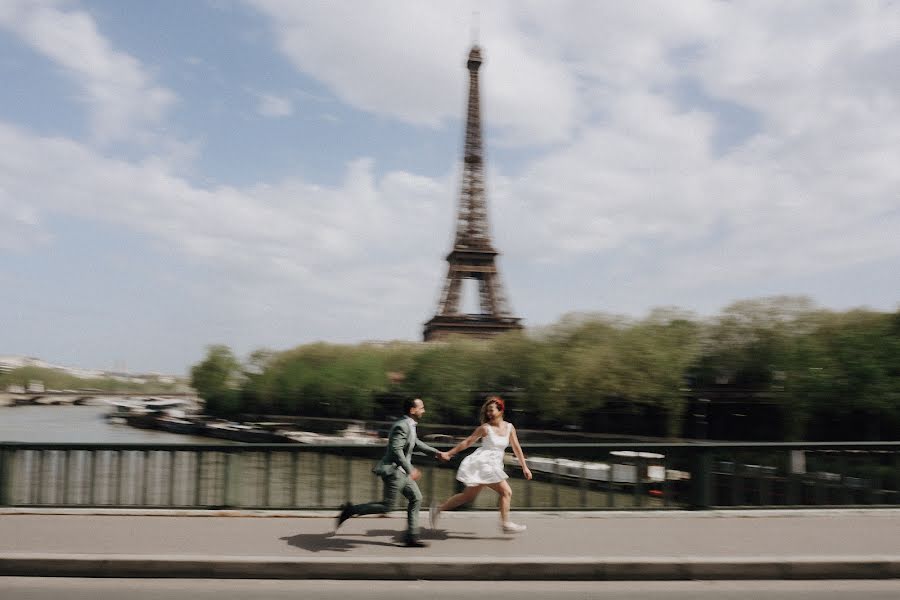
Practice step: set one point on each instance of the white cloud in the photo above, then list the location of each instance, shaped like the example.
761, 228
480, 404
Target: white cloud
274, 106
806, 66
647, 181
814, 189
342, 250
413, 67
20, 227
123, 100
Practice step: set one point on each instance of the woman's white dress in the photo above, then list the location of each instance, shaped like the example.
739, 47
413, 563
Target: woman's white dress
485, 465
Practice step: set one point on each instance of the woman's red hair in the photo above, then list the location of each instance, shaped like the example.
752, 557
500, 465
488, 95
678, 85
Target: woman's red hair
491, 400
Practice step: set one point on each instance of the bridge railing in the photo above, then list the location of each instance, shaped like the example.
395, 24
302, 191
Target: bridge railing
566, 476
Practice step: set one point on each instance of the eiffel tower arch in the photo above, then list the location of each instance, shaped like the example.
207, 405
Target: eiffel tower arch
473, 255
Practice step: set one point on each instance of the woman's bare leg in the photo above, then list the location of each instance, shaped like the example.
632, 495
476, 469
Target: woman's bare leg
468, 495
505, 492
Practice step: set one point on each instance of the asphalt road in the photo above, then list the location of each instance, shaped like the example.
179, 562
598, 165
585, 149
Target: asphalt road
58, 588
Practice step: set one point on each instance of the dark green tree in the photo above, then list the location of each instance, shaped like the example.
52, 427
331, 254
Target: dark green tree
218, 380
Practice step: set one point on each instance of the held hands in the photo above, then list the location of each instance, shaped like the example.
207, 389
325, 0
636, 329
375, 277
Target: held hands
442, 456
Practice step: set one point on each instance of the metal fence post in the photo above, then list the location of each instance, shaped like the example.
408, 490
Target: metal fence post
701, 479
232, 478
5, 470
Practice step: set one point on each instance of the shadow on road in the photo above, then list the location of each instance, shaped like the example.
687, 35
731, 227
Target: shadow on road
331, 542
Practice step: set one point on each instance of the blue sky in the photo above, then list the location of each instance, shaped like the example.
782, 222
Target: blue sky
268, 173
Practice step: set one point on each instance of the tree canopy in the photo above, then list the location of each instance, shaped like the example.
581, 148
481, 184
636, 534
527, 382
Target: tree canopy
808, 366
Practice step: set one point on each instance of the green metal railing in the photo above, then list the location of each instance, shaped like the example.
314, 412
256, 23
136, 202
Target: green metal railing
567, 476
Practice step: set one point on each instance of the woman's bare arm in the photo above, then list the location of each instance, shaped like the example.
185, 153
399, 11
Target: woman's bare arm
476, 435
517, 450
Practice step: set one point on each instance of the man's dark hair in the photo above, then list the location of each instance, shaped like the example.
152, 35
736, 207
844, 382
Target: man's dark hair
408, 403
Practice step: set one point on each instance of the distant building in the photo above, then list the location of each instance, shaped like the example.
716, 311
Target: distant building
11, 363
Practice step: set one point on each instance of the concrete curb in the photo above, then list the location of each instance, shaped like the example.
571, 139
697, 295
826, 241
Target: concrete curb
449, 568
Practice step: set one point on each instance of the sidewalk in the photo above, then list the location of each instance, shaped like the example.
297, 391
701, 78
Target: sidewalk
758, 544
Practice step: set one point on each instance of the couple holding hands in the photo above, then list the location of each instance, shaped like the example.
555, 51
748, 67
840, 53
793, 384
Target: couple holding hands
483, 468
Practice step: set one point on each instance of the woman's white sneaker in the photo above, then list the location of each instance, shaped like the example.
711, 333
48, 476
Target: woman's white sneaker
510, 527
433, 515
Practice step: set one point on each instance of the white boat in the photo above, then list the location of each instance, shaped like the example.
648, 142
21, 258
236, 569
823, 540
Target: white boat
624, 472
130, 406
355, 433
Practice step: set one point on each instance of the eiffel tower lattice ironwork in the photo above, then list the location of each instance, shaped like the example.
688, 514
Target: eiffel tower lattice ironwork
473, 256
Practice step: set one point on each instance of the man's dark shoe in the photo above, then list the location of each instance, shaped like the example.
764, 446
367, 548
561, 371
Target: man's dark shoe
412, 541
346, 513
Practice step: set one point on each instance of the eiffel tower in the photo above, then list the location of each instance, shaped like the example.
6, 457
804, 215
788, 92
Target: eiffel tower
473, 256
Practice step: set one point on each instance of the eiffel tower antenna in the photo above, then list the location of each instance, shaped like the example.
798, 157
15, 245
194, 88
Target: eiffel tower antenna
475, 18
473, 256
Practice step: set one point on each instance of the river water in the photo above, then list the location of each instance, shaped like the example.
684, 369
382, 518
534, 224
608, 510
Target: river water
74, 424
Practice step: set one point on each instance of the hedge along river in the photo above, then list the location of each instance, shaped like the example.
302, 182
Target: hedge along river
277, 479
